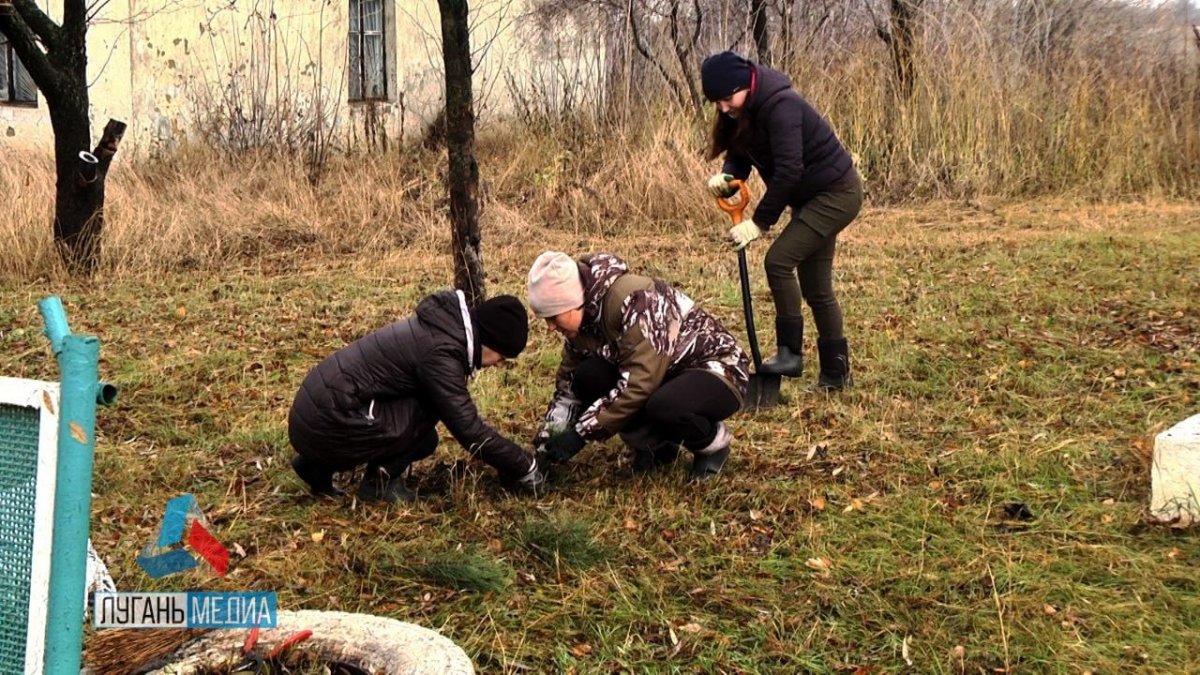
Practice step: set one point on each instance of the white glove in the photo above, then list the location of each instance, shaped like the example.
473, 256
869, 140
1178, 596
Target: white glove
718, 185
743, 233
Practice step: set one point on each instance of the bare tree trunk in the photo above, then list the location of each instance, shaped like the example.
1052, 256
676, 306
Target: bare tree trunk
762, 38
902, 43
79, 199
463, 176
683, 53
56, 57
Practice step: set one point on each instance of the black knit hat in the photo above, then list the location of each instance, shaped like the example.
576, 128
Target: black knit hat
503, 325
724, 73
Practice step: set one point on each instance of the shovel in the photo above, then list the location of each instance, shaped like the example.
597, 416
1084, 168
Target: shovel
763, 390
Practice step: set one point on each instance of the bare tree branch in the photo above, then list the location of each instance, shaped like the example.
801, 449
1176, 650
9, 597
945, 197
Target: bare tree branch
25, 44
644, 50
46, 30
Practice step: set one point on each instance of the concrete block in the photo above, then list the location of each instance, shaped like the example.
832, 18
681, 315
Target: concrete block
1175, 474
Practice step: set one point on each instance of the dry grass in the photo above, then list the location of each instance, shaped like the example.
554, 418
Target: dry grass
1005, 352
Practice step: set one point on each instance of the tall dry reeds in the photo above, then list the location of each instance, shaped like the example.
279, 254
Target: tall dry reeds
1109, 110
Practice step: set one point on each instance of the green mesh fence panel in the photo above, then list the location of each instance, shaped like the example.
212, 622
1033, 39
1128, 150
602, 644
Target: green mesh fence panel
18, 479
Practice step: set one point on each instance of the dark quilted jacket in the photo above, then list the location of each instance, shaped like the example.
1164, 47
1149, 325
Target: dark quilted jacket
379, 394
791, 145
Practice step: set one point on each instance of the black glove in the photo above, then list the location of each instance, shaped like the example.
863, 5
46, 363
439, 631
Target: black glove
564, 446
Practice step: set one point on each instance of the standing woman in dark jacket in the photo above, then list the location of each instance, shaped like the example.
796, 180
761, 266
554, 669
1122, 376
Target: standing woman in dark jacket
378, 400
762, 123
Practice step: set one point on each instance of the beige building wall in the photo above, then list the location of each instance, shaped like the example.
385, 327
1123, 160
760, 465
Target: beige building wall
279, 67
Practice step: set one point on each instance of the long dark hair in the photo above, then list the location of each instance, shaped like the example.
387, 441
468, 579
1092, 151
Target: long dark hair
732, 134
728, 134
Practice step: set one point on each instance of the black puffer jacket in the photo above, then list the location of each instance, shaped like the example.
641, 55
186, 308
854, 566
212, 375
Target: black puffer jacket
376, 396
791, 145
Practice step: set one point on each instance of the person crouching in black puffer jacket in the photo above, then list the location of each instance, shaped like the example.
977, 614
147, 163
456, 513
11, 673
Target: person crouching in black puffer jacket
378, 400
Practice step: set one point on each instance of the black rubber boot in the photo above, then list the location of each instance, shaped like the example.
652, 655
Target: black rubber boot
650, 452
835, 364
709, 460
384, 481
789, 338
318, 478
646, 460
380, 484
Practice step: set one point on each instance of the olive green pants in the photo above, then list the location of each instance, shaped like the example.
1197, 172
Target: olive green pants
799, 263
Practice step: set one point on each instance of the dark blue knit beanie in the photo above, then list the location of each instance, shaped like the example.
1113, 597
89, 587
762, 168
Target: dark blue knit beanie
724, 73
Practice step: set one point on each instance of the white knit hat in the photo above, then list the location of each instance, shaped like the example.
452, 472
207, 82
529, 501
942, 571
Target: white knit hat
554, 285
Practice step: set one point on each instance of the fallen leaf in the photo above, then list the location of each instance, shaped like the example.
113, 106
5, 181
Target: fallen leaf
935, 485
821, 564
672, 635
854, 505
818, 503
691, 628
1106, 519
632, 525
181, 311
1049, 610
78, 433
669, 535
318, 536
837, 471
237, 548
755, 515
495, 545
581, 650
904, 650
1174, 553
959, 652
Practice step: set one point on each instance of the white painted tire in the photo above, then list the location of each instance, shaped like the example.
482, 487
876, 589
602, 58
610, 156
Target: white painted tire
373, 643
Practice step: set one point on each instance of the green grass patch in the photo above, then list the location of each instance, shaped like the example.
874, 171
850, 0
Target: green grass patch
561, 541
1024, 355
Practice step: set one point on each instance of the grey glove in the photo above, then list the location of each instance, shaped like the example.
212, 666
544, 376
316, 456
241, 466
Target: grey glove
532, 482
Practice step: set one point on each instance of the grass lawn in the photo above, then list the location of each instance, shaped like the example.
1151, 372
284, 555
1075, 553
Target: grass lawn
1004, 354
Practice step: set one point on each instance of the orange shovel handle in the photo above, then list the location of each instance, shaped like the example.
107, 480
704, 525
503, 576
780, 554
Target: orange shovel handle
737, 203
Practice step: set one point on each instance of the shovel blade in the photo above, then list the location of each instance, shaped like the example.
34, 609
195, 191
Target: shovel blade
763, 391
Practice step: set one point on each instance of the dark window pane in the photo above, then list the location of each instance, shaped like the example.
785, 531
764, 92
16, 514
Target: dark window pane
26, 90
372, 15
366, 46
373, 70
356, 77
4, 93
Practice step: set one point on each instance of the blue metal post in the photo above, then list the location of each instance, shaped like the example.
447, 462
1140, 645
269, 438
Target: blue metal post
78, 361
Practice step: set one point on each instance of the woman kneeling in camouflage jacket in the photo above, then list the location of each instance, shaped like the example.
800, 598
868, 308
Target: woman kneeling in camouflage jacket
640, 360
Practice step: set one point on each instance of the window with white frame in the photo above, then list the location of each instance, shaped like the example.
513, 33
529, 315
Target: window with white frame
16, 86
368, 72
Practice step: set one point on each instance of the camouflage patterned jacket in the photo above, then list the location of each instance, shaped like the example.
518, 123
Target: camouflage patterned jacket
650, 332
